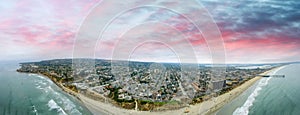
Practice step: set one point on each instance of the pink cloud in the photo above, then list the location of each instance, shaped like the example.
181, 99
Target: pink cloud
51, 27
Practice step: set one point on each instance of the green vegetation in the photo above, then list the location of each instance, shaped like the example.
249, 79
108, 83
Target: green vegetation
127, 104
146, 105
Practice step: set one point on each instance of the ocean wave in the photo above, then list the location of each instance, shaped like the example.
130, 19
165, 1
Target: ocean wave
71, 107
43, 78
41, 84
64, 101
244, 110
31, 74
39, 87
68, 105
53, 106
58, 101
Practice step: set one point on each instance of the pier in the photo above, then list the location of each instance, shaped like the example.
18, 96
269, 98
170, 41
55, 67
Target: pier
280, 76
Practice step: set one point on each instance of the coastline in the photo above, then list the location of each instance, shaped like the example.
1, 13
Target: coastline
210, 106
238, 90
221, 100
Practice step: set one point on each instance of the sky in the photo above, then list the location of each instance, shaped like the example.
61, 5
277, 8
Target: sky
251, 31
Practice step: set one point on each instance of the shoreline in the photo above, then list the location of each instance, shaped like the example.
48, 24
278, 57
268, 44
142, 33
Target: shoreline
222, 100
210, 106
207, 107
240, 90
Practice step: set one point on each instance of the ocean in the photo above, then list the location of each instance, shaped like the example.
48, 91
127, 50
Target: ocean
31, 94
269, 96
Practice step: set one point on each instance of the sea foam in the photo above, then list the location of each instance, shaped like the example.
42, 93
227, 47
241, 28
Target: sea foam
53, 106
244, 110
67, 106
66, 103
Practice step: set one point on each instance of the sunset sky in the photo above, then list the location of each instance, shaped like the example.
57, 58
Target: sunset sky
253, 31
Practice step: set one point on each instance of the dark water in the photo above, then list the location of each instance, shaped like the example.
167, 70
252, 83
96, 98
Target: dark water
29, 94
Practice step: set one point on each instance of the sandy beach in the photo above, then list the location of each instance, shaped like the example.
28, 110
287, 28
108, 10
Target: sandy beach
205, 108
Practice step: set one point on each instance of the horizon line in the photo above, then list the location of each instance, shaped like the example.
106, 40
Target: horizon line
206, 63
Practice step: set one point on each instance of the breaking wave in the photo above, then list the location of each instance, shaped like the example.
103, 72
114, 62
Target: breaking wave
59, 101
53, 106
244, 110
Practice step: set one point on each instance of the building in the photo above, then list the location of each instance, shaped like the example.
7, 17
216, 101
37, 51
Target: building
217, 85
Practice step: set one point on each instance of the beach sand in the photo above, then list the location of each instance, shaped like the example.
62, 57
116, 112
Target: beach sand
205, 108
